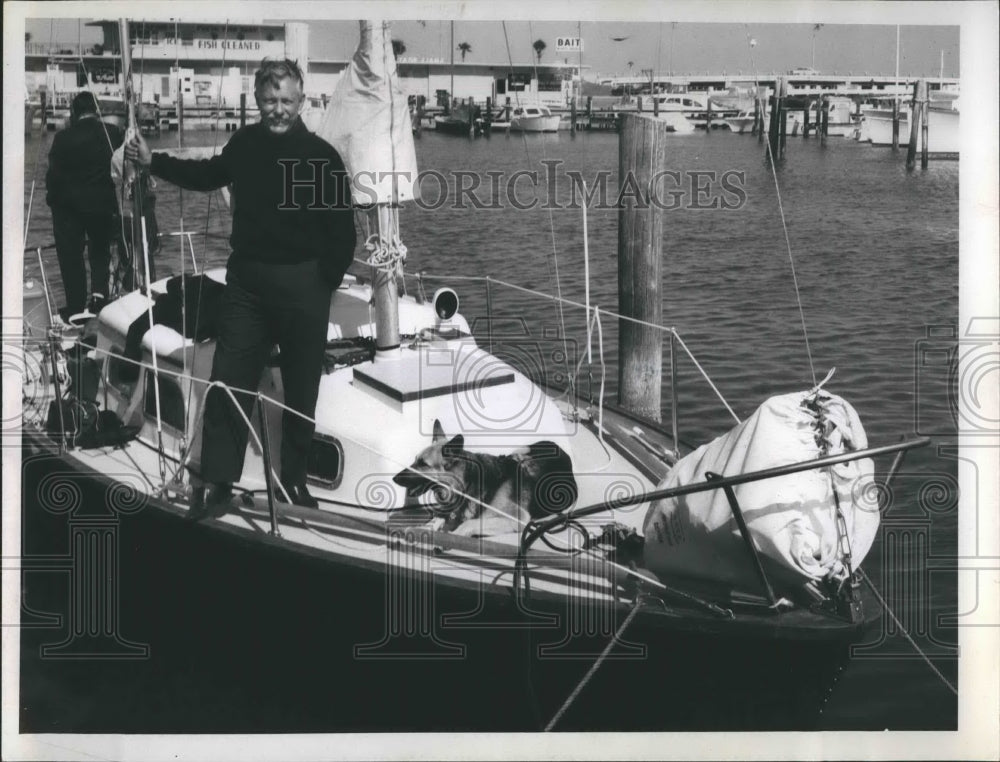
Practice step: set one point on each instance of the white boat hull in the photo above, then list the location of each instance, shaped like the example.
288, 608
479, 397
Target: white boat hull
535, 124
942, 130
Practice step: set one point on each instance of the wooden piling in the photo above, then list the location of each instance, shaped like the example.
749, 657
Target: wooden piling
772, 131
43, 98
572, 117
805, 121
638, 103
488, 120
755, 130
590, 111
641, 152
825, 105
782, 120
708, 117
895, 125
506, 110
656, 106
924, 116
911, 152
243, 109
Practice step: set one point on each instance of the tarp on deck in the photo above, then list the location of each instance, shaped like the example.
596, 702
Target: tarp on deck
791, 518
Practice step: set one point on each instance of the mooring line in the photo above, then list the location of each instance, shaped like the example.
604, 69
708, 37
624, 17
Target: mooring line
902, 629
593, 669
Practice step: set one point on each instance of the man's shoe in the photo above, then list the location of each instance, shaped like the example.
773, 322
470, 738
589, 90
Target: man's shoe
218, 503
197, 510
220, 500
300, 496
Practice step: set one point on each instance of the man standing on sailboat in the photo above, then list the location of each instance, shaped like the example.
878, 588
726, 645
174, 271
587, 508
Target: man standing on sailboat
81, 194
293, 238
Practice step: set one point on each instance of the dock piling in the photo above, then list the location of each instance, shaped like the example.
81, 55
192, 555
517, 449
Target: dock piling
825, 106
911, 152
782, 120
924, 116
243, 109
641, 153
895, 125
572, 117
759, 111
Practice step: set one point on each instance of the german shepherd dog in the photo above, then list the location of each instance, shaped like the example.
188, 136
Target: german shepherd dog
533, 482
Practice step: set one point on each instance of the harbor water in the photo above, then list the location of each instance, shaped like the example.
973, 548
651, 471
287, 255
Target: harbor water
875, 254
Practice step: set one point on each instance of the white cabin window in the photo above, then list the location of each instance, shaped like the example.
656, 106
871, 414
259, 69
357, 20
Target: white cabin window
171, 402
121, 382
326, 461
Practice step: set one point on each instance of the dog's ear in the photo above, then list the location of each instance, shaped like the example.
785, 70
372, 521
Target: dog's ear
454, 447
438, 431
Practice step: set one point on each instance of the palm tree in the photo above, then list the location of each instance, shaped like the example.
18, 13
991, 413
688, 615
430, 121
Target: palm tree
539, 46
398, 48
464, 48
816, 28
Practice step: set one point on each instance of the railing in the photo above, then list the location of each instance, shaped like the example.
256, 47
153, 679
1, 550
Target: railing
594, 313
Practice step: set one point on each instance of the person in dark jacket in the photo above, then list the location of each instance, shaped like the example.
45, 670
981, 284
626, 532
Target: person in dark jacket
293, 238
81, 194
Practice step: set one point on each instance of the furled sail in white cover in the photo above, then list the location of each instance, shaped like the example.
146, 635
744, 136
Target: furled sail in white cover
368, 122
792, 518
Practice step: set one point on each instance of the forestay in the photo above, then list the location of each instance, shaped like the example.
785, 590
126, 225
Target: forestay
792, 518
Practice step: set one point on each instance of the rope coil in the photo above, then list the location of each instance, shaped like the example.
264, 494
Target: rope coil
385, 255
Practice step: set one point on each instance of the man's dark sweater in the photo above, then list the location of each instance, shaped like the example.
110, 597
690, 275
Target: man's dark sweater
79, 174
267, 226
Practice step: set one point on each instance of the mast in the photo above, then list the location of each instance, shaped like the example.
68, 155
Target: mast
451, 92
367, 121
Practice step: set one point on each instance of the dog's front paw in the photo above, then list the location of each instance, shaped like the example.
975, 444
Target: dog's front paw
438, 524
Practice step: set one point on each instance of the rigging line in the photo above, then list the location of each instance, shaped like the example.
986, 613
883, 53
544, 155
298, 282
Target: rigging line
208, 201
215, 138
906, 634
552, 232
784, 224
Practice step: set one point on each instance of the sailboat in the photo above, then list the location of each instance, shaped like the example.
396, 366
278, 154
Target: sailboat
640, 552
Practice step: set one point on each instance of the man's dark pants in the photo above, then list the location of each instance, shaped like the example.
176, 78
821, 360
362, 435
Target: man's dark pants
264, 305
72, 229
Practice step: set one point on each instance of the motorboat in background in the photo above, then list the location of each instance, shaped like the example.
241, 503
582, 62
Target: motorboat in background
942, 126
533, 118
463, 119
741, 123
